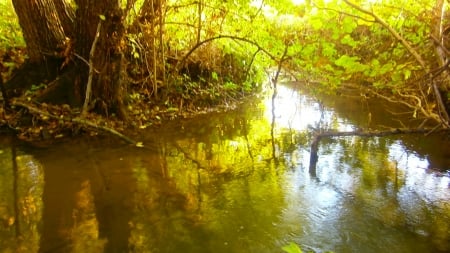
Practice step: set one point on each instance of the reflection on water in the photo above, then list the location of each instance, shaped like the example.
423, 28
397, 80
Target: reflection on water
21, 178
231, 182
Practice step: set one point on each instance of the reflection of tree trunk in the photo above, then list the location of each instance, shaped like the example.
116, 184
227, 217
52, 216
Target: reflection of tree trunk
274, 81
272, 127
16, 191
247, 143
314, 157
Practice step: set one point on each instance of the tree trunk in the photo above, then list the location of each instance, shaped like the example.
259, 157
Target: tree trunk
45, 37
67, 16
42, 29
442, 54
108, 86
47, 23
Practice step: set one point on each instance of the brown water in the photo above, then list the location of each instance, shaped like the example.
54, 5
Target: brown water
233, 182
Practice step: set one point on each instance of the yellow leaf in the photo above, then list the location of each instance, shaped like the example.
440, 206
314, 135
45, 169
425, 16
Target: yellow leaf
11, 221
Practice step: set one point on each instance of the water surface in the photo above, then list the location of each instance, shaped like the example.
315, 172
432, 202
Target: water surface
233, 182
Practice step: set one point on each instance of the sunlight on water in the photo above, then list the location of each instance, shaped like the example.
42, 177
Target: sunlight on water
228, 182
430, 186
375, 178
298, 112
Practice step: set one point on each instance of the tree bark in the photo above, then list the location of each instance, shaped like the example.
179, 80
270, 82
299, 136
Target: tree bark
108, 85
42, 29
438, 33
67, 16
47, 23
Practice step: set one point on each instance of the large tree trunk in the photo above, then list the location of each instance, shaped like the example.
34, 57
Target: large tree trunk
67, 16
42, 29
46, 24
108, 86
45, 39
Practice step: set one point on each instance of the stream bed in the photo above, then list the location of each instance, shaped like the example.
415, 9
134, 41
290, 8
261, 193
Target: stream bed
234, 182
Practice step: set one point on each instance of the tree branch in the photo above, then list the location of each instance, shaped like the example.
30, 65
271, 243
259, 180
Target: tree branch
186, 56
91, 70
402, 40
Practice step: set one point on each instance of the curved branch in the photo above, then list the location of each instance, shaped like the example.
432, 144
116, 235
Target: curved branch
186, 56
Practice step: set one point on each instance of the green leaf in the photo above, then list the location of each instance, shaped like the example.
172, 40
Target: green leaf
214, 76
349, 25
316, 23
407, 74
348, 40
346, 61
102, 17
292, 248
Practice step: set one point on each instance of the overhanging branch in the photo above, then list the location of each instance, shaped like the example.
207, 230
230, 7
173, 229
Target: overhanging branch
394, 33
260, 48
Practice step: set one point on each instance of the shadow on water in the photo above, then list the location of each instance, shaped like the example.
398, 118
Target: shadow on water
233, 182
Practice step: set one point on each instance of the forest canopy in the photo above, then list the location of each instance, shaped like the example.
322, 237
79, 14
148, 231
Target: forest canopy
135, 62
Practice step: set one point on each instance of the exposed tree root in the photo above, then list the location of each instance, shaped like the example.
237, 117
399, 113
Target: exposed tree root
32, 74
83, 122
314, 157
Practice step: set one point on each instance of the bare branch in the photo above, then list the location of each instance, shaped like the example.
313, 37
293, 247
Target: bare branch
91, 69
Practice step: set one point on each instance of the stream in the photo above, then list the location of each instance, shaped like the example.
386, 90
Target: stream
236, 181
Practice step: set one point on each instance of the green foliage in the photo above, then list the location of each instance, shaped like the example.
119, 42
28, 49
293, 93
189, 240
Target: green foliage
292, 248
10, 32
328, 42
